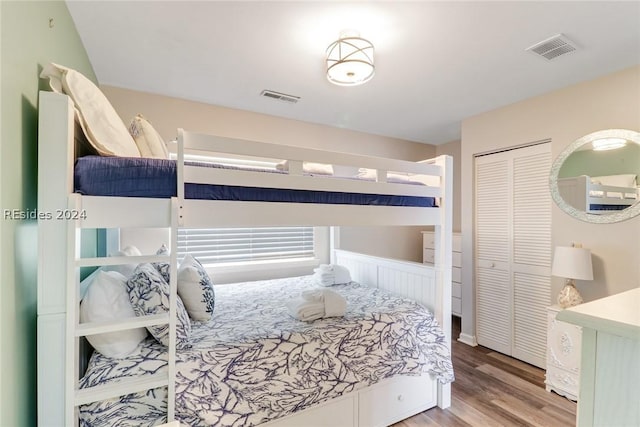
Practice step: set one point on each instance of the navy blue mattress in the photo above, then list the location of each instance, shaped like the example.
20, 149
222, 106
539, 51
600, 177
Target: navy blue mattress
156, 178
599, 207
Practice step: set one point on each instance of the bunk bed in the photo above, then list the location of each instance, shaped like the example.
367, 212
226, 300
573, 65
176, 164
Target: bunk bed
60, 360
599, 195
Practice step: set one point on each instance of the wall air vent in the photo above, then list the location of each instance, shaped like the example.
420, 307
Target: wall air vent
553, 47
291, 99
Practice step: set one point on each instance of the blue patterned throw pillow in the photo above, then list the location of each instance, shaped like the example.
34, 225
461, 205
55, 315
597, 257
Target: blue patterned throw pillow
163, 267
149, 294
196, 289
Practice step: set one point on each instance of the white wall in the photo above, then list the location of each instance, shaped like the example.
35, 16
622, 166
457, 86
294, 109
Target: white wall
612, 101
167, 114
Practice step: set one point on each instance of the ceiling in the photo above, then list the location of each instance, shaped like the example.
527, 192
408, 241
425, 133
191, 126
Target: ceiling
437, 63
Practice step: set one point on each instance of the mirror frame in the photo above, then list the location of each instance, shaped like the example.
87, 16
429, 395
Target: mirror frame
608, 218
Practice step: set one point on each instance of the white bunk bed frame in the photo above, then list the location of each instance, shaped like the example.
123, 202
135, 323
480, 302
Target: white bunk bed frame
581, 193
59, 331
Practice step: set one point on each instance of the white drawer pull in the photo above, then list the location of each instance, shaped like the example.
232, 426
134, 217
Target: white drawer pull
400, 398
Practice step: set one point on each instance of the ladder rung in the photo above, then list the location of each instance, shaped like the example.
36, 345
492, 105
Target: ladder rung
84, 329
116, 260
122, 388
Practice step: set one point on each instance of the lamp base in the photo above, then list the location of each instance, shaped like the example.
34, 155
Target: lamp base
569, 295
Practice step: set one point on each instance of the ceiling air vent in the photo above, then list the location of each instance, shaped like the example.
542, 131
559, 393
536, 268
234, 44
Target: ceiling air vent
291, 99
553, 47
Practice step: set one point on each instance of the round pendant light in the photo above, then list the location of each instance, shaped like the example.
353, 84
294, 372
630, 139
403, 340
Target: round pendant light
350, 60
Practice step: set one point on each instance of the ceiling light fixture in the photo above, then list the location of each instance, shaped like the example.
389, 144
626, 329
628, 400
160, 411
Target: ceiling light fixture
608, 144
350, 60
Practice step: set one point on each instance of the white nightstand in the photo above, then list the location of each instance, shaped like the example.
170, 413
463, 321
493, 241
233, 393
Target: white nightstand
563, 355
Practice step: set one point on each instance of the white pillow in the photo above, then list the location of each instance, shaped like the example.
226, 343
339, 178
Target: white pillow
149, 142
107, 299
308, 167
345, 171
623, 180
371, 175
196, 289
101, 124
125, 269
430, 180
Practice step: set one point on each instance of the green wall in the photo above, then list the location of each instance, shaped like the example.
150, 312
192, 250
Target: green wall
33, 33
624, 160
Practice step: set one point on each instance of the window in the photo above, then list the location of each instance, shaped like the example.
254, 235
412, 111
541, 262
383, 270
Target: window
245, 245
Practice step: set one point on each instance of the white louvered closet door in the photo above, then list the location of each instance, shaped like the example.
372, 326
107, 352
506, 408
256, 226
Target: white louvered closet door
513, 251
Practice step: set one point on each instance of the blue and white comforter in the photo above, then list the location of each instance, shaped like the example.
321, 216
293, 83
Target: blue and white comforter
253, 362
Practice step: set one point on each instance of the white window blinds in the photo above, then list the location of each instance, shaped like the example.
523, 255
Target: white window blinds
237, 245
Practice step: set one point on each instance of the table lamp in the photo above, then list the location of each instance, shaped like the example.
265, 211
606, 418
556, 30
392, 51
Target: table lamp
572, 263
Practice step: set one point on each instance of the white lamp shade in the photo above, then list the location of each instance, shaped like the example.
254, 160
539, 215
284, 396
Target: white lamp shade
572, 263
350, 60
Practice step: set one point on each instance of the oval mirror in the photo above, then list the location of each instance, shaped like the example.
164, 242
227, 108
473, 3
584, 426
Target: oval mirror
596, 178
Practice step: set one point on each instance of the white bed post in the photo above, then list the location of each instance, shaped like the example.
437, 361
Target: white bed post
180, 179
173, 310
334, 243
443, 259
55, 174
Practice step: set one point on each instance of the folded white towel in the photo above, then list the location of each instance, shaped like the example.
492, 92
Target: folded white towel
317, 303
342, 274
331, 274
324, 279
305, 310
334, 304
313, 295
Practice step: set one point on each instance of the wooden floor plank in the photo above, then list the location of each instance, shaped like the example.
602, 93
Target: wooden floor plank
494, 390
517, 367
420, 420
527, 387
466, 410
530, 414
567, 417
445, 418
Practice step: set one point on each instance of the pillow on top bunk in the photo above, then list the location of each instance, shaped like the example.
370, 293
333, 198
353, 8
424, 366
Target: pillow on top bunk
345, 171
410, 178
107, 299
429, 180
104, 129
148, 140
371, 175
149, 294
196, 289
308, 167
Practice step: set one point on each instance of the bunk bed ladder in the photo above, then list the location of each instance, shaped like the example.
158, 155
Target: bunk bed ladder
74, 397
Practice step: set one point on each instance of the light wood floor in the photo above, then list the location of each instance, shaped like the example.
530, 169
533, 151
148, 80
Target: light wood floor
492, 389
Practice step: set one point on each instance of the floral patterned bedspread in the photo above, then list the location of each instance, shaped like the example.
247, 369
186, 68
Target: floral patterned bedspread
253, 362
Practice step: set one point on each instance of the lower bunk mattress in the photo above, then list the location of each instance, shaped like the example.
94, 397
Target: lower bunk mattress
156, 178
253, 362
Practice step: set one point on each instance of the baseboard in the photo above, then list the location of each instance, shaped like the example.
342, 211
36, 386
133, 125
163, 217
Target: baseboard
468, 339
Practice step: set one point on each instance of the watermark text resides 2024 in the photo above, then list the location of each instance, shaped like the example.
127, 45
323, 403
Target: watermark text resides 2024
35, 214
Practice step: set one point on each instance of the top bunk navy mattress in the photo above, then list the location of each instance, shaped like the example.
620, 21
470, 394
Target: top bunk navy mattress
156, 178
